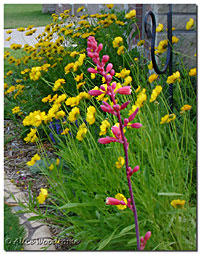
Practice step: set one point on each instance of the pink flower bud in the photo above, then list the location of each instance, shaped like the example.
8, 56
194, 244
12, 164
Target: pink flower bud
90, 54
124, 90
147, 236
102, 87
108, 78
136, 125
126, 121
107, 140
114, 84
112, 72
109, 67
116, 107
123, 106
114, 201
142, 239
92, 70
105, 59
116, 131
95, 92
131, 117
99, 47
107, 109
136, 168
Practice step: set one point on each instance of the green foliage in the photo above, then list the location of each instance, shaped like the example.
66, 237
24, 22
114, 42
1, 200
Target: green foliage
13, 232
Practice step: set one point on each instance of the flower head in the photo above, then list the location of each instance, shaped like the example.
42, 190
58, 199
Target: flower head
131, 14
120, 162
189, 24
175, 76
178, 203
42, 196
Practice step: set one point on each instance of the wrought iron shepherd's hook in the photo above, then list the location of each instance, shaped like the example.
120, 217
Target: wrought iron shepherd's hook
152, 35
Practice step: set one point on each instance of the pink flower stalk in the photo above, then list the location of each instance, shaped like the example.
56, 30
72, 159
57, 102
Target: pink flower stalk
132, 171
143, 240
93, 51
114, 201
124, 90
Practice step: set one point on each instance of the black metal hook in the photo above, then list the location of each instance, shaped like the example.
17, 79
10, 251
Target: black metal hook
151, 34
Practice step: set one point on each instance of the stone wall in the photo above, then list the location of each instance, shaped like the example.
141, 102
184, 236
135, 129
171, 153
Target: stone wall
181, 13
48, 8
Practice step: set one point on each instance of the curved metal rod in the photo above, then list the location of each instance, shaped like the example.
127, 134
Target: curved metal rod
152, 35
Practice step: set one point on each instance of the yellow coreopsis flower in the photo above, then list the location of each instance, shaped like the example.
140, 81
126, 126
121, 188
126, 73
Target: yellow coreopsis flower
120, 50
152, 78
178, 203
150, 66
110, 6
175, 39
186, 107
51, 167
35, 158
131, 14
120, 163
141, 42
117, 41
120, 196
80, 9
73, 114
103, 127
16, 109
175, 76
42, 196
65, 132
159, 28
193, 72
167, 118
58, 84
156, 91
81, 132
189, 24
90, 117
124, 73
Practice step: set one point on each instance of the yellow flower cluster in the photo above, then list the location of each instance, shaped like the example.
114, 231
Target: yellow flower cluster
31, 136
81, 132
73, 114
15, 46
152, 78
42, 196
104, 127
34, 118
90, 117
33, 160
35, 73
131, 14
120, 162
189, 24
124, 73
156, 91
58, 83
16, 109
178, 203
117, 43
167, 118
174, 77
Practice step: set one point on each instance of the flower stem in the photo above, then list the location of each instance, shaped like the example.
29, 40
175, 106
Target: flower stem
125, 145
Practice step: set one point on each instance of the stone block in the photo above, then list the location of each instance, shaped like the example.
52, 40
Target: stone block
184, 8
160, 8
179, 21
